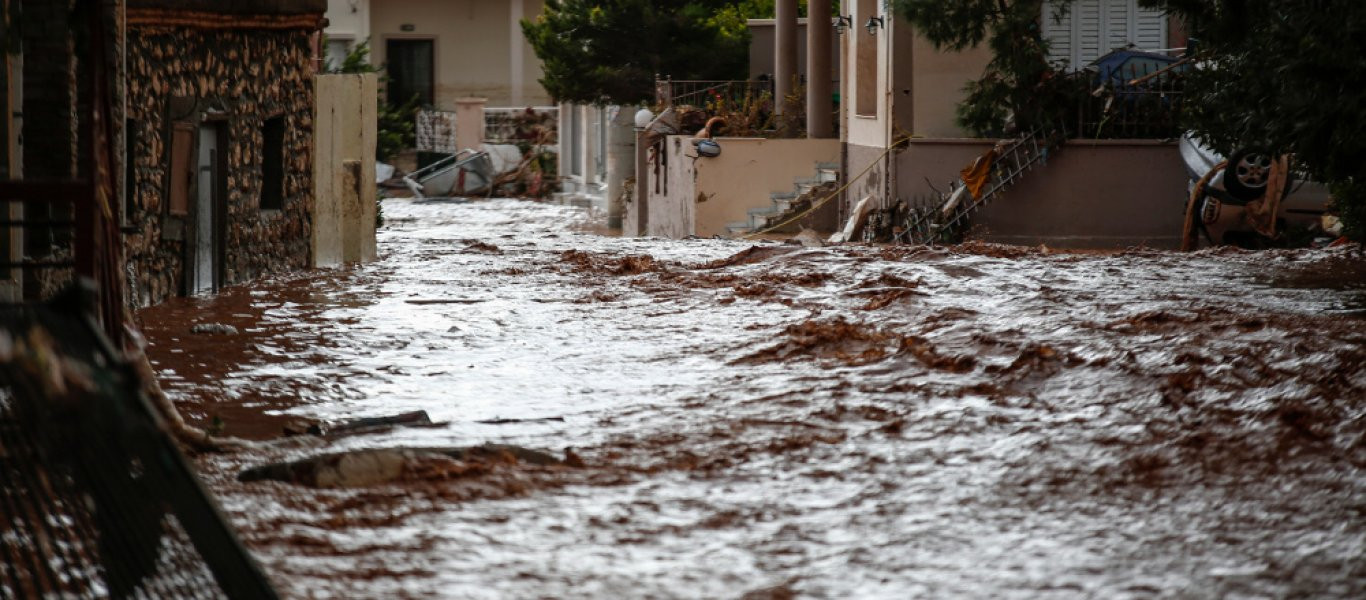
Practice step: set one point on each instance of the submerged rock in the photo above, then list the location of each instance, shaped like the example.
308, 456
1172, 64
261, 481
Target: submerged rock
222, 328
360, 468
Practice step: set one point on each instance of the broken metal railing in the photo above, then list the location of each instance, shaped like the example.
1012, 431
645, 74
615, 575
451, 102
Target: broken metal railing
943, 218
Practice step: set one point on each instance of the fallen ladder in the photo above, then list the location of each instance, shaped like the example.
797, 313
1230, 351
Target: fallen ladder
941, 221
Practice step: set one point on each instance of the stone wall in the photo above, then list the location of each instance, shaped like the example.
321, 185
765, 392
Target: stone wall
239, 78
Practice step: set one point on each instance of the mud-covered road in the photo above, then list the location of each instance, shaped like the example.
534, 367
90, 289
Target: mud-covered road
792, 422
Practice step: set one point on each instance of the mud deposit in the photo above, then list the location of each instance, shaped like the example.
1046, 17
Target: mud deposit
795, 422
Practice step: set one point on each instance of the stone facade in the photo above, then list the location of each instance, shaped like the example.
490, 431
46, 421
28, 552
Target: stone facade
236, 78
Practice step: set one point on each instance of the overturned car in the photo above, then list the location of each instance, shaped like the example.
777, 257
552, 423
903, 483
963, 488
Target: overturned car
1229, 201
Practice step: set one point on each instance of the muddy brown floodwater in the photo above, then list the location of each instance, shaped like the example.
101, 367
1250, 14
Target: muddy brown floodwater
786, 422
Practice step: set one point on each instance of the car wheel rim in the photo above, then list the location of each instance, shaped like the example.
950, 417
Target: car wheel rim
1253, 170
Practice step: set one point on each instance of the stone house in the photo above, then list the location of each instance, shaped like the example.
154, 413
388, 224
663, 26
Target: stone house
219, 133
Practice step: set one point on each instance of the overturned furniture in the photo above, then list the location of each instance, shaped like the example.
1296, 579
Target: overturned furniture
466, 173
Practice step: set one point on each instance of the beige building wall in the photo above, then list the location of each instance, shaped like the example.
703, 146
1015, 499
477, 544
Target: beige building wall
688, 195
936, 86
748, 171
478, 45
1091, 194
918, 89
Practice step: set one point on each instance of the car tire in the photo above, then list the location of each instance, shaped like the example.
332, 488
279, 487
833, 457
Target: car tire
1247, 173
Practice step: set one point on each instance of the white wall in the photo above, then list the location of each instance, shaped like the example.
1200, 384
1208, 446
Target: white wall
347, 20
687, 195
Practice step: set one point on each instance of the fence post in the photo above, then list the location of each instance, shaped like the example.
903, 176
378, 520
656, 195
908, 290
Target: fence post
663, 92
469, 123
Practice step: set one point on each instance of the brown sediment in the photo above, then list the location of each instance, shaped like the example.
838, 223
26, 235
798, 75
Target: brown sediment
1122, 408
834, 339
750, 255
880, 300
481, 247
581, 261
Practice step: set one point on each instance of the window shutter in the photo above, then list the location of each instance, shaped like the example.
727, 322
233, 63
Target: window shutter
1150, 31
1093, 28
1118, 18
1057, 30
182, 145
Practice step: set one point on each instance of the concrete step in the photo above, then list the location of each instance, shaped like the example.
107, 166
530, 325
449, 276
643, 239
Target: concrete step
828, 175
760, 217
782, 195
827, 166
738, 228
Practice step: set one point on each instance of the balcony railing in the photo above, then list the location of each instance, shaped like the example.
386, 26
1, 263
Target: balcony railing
1133, 103
686, 92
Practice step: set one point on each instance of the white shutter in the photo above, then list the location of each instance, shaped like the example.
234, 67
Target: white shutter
1118, 17
1087, 28
1058, 32
1150, 30
1093, 28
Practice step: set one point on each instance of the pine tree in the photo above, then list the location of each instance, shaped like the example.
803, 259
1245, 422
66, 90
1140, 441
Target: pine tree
609, 51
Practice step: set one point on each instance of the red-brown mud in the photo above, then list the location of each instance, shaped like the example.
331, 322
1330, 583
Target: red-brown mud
773, 421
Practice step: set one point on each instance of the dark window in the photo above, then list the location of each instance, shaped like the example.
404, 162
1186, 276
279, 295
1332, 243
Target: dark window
409, 65
272, 164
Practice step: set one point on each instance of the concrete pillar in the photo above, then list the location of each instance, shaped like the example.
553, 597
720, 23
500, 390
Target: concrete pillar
784, 50
515, 59
636, 221
621, 162
587, 149
469, 122
819, 106
565, 156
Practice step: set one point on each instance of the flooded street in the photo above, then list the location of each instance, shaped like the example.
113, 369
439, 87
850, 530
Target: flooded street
794, 422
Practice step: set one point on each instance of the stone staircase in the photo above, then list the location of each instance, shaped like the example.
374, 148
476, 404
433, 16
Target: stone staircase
785, 205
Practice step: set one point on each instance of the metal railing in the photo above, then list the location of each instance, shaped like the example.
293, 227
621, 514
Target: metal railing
532, 124
694, 92
1135, 102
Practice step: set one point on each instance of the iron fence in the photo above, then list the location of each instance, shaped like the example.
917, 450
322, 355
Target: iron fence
1134, 102
532, 124
691, 92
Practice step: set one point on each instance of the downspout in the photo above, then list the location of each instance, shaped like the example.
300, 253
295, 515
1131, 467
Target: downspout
888, 95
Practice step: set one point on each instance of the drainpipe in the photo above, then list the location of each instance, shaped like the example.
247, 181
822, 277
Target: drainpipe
887, 90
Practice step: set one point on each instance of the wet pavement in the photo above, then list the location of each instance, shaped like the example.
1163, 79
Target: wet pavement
791, 422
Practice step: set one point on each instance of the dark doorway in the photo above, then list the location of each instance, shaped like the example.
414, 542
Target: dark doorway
205, 271
409, 64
